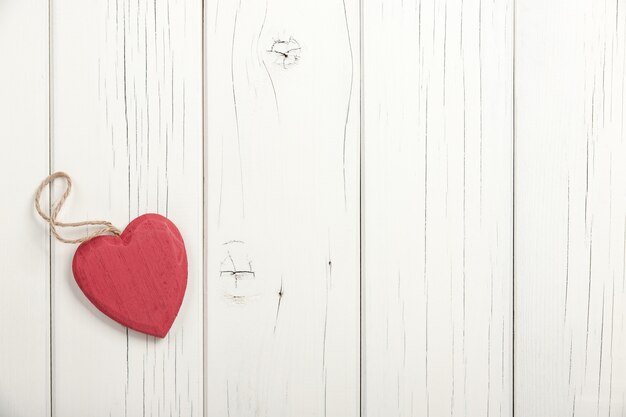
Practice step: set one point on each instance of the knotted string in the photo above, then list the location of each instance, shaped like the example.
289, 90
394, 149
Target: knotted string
56, 208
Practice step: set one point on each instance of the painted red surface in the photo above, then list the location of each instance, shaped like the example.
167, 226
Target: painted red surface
139, 278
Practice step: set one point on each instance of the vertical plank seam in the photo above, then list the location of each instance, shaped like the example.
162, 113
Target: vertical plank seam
513, 283
204, 213
362, 300
50, 309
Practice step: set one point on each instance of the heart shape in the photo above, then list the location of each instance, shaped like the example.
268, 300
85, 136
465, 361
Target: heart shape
139, 278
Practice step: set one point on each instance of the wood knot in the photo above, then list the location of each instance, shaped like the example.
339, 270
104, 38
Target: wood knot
287, 52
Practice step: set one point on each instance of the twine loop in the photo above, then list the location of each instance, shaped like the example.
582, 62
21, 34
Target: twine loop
107, 228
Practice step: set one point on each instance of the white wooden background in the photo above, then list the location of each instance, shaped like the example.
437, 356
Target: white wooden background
390, 207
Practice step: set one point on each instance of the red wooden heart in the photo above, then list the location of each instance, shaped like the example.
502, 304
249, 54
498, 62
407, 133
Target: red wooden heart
139, 278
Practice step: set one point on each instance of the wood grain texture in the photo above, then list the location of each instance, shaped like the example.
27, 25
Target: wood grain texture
24, 248
351, 264
282, 237
437, 219
127, 125
570, 202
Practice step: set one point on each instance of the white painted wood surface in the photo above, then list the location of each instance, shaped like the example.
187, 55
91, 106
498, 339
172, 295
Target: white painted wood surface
282, 195
437, 208
127, 125
570, 206
342, 172
24, 251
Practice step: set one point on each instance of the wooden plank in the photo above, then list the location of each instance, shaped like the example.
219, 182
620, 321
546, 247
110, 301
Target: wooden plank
570, 202
127, 125
437, 208
25, 250
282, 198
